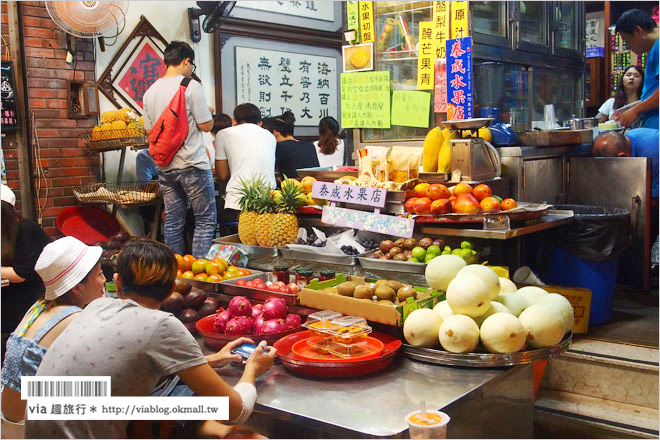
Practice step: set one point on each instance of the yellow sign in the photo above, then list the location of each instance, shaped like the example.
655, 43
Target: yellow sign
441, 16
426, 56
367, 29
410, 108
353, 19
365, 100
459, 19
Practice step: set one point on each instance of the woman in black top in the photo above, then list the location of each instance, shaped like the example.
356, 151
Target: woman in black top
290, 153
22, 243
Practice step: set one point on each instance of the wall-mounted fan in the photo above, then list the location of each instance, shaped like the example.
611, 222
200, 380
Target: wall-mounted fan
90, 19
216, 13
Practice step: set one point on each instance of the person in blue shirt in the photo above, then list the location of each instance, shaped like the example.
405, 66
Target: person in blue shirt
640, 32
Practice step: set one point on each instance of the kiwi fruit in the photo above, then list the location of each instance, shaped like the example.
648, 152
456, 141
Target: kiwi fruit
380, 283
346, 288
395, 250
362, 292
400, 257
385, 292
399, 242
426, 242
410, 243
394, 285
386, 301
406, 292
386, 245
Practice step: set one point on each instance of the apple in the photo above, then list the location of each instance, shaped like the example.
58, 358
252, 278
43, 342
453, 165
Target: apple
242, 283
293, 287
284, 289
274, 288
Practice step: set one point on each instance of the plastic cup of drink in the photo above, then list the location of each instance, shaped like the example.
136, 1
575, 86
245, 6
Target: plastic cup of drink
437, 428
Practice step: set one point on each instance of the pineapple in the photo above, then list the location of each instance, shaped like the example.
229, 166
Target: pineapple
127, 115
135, 129
266, 208
248, 202
284, 225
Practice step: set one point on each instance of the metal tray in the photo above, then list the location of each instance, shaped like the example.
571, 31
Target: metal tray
215, 287
260, 251
342, 260
486, 360
515, 216
229, 287
389, 265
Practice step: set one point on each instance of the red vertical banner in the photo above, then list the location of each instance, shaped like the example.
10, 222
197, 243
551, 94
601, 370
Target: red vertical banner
440, 101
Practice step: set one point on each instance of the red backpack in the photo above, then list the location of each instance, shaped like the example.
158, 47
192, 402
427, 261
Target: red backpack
171, 129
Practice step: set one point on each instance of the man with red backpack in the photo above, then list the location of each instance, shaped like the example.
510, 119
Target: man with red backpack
175, 115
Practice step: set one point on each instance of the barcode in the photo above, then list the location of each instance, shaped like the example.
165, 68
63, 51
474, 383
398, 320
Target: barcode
58, 387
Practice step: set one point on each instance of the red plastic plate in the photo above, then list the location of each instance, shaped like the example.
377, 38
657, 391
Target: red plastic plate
217, 340
302, 349
87, 224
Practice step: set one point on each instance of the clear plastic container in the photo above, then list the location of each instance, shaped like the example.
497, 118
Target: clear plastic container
349, 350
349, 329
320, 343
320, 323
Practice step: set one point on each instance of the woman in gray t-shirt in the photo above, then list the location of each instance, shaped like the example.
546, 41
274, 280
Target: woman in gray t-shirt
136, 344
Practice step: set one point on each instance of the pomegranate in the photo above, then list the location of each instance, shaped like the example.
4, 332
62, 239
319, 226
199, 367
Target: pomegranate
240, 306
273, 308
292, 321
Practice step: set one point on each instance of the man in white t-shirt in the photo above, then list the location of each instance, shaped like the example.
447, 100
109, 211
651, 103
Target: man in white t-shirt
187, 179
244, 151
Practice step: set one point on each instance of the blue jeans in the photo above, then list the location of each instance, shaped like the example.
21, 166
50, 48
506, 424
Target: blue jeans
179, 187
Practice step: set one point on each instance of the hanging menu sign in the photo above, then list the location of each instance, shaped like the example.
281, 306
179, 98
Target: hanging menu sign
279, 81
353, 19
459, 19
367, 22
426, 56
319, 10
440, 27
440, 95
365, 99
459, 78
8, 113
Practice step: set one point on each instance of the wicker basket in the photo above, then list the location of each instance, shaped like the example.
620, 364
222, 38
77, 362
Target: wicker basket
108, 139
128, 193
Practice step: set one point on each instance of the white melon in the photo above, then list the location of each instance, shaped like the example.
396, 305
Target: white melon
459, 334
421, 328
486, 274
468, 295
515, 302
502, 333
543, 324
564, 307
442, 308
442, 269
531, 293
508, 286
495, 307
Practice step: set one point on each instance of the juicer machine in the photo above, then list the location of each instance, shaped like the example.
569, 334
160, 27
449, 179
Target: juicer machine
474, 157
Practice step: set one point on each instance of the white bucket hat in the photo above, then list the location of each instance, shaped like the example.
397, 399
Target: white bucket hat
7, 195
64, 263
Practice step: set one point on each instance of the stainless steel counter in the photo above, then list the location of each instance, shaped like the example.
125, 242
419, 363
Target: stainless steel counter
375, 406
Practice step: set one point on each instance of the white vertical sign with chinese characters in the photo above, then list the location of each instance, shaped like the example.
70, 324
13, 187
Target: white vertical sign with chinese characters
319, 10
278, 81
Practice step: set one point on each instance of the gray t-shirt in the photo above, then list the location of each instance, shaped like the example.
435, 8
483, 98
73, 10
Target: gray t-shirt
156, 99
134, 345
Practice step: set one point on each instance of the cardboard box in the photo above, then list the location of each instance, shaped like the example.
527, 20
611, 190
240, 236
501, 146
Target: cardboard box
311, 296
580, 299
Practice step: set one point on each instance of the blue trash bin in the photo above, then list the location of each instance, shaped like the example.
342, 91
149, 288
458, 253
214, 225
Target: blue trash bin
585, 254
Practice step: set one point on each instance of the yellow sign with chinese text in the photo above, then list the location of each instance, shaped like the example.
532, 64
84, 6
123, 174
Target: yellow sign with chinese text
441, 16
426, 56
459, 19
367, 30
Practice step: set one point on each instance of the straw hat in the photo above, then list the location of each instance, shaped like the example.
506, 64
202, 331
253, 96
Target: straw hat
64, 263
7, 195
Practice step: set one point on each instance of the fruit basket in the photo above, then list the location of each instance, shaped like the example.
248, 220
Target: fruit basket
112, 139
335, 368
485, 359
127, 193
216, 341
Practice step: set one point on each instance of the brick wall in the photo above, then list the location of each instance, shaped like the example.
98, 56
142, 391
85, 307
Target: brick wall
65, 160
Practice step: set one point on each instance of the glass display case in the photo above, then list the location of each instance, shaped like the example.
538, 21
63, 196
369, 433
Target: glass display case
566, 25
490, 18
501, 90
560, 88
533, 22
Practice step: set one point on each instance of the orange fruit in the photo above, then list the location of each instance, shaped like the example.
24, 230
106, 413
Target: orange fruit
489, 204
232, 269
199, 265
187, 262
462, 188
243, 272
438, 191
179, 273
188, 274
214, 278
508, 204
421, 189
482, 191
202, 276
179, 260
228, 276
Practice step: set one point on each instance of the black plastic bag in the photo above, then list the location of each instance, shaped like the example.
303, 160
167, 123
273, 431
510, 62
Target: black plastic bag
596, 234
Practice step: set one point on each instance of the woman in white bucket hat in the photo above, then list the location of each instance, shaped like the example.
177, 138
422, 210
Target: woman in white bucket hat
72, 276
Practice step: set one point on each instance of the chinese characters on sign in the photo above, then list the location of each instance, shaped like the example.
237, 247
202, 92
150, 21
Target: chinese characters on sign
365, 100
411, 108
592, 37
440, 96
279, 81
459, 19
367, 29
353, 19
426, 56
8, 112
459, 78
356, 195
368, 221
144, 67
319, 10
440, 27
